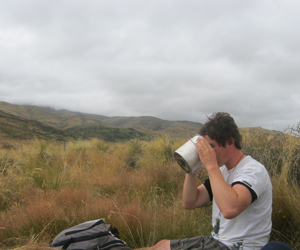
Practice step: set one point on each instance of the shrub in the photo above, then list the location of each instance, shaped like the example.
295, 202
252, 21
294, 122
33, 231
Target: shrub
46, 187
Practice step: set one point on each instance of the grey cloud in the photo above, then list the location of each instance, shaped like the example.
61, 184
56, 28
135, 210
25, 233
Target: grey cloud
177, 60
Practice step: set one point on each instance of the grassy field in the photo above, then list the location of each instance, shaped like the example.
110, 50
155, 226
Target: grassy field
136, 186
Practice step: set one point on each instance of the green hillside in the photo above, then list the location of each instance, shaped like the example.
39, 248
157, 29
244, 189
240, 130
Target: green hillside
31, 112
69, 124
147, 124
106, 133
60, 120
64, 119
18, 128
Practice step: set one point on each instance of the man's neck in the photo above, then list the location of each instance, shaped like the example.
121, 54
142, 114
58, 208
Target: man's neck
236, 158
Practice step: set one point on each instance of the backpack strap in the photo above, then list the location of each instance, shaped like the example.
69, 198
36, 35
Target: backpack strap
68, 243
115, 232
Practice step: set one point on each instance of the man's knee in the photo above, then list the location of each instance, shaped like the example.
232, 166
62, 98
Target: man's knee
162, 245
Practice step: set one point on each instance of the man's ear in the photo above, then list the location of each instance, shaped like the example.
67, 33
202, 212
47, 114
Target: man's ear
230, 142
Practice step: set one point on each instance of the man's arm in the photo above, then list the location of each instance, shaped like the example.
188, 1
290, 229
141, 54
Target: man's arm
193, 196
231, 201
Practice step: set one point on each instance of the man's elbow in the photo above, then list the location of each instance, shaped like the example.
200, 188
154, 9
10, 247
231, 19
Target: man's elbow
188, 206
230, 214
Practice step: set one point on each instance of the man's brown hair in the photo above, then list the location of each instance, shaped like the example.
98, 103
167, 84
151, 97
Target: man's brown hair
221, 127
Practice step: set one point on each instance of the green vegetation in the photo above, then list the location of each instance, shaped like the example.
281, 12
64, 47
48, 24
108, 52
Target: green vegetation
17, 128
47, 186
91, 125
106, 133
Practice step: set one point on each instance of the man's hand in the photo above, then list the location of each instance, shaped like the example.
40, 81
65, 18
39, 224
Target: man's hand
206, 153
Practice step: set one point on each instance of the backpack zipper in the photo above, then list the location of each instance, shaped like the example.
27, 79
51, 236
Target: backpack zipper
81, 230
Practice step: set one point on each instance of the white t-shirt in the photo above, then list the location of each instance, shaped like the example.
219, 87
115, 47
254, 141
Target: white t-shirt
250, 229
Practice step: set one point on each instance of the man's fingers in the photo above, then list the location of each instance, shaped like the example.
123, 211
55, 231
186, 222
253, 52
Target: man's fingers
202, 142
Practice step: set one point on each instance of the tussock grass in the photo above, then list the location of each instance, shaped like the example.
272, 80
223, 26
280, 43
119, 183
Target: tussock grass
136, 186
286, 212
280, 155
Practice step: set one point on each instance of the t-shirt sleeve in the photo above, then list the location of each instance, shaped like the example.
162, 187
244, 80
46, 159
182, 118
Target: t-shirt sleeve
208, 188
253, 176
253, 194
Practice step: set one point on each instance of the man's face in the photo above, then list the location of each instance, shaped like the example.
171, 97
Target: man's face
221, 152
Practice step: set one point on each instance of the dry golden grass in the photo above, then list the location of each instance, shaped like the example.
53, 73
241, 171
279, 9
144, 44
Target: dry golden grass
136, 186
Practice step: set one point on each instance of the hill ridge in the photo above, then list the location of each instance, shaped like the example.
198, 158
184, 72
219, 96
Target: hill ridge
74, 124
65, 119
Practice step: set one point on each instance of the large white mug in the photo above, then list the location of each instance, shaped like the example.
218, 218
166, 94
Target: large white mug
187, 156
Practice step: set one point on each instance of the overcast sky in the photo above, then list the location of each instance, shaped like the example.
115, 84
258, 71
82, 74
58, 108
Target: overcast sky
175, 60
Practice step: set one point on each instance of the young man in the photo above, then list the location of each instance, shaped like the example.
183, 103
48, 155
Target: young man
239, 187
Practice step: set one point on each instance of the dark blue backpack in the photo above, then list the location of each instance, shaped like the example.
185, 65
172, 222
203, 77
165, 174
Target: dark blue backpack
90, 235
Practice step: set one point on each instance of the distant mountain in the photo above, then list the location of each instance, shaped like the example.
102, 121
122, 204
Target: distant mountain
28, 121
23, 122
18, 128
146, 124
65, 119
44, 115
106, 133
